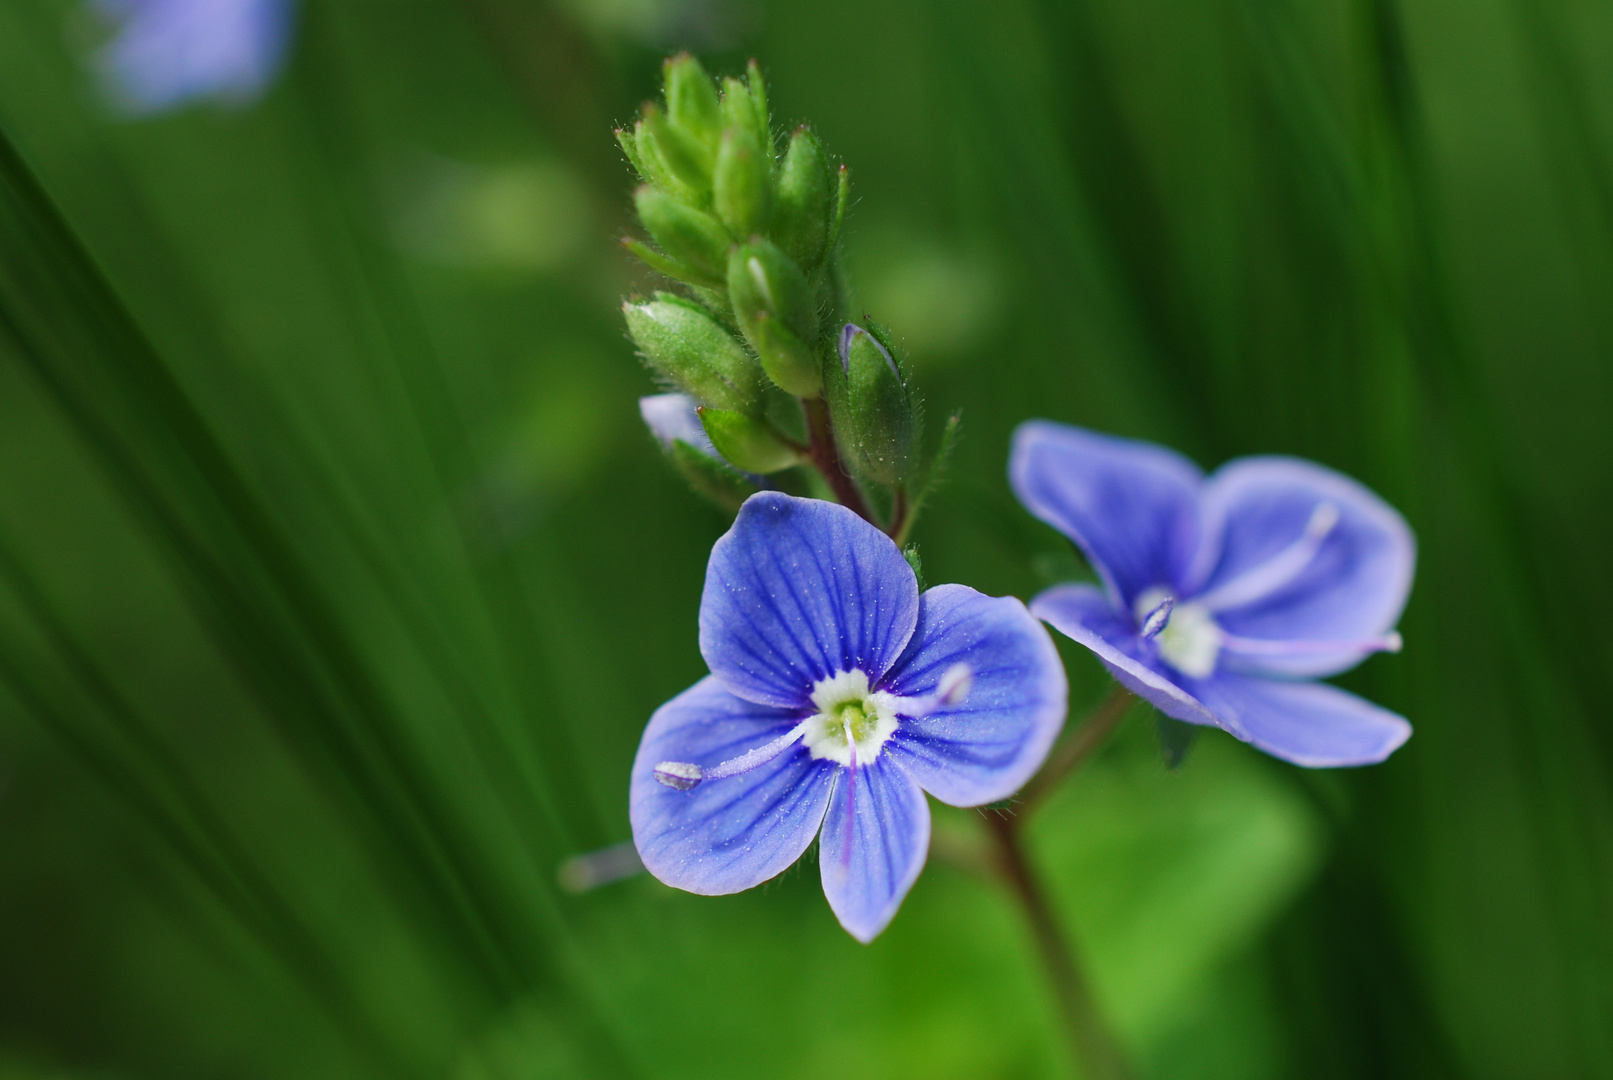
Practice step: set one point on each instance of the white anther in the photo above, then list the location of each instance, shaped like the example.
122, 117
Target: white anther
682, 775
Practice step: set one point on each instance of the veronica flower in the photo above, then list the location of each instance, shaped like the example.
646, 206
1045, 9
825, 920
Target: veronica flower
167, 52
1223, 596
838, 696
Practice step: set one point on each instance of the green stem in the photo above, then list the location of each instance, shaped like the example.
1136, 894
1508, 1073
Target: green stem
1090, 1040
1082, 744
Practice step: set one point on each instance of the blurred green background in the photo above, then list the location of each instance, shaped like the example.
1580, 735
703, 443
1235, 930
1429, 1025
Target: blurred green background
338, 576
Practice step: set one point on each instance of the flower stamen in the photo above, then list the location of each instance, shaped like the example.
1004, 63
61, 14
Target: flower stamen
1156, 620
1390, 642
686, 776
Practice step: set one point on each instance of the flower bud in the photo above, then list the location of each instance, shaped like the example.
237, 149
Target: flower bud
681, 341
691, 100
744, 105
773, 304
742, 183
804, 208
692, 237
748, 443
686, 161
875, 421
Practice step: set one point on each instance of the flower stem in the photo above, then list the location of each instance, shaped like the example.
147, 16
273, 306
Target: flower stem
1068, 755
1090, 1040
826, 459
897, 529
1091, 1043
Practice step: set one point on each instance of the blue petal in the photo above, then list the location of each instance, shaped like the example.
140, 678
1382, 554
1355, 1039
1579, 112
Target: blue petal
1310, 724
730, 834
985, 748
1131, 506
875, 838
1083, 614
798, 590
1352, 590
170, 51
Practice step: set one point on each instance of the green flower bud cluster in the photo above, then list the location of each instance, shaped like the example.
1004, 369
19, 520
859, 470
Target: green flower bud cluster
751, 233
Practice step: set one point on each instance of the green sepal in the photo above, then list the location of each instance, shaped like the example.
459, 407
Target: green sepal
683, 342
692, 237
646, 158
628, 141
876, 419
911, 554
802, 215
787, 360
758, 93
749, 444
763, 278
713, 479
842, 203
742, 183
691, 100
1175, 739
687, 159
662, 262
741, 109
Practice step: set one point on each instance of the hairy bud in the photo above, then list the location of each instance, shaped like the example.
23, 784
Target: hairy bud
749, 443
876, 421
804, 210
681, 341
774, 307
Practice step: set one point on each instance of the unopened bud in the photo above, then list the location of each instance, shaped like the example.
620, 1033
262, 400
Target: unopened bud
804, 208
686, 160
749, 443
691, 100
875, 419
742, 183
774, 307
682, 342
692, 237
745, 106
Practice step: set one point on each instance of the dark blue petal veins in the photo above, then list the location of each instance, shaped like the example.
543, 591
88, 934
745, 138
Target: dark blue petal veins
729, 834
1351, 589
798, 590
986, 747
1132, 507
876, 836
1309, 724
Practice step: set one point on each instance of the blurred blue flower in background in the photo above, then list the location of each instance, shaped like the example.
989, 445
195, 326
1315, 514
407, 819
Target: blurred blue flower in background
837, 696
168, 52
1223, 596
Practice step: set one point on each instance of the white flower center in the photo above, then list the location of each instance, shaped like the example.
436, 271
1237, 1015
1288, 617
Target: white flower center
849, 716
1191, 640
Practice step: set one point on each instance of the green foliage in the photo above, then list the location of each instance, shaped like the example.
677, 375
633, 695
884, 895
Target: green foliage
338, 578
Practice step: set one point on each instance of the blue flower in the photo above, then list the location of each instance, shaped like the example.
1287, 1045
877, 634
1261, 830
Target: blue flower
168, 52
837, 697
1223, 596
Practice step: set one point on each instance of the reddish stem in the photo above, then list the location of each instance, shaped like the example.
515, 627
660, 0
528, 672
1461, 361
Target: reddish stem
821, 447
